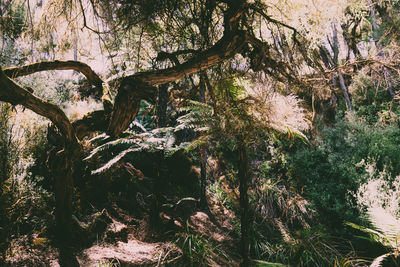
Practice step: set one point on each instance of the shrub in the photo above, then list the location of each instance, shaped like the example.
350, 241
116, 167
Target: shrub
332, 170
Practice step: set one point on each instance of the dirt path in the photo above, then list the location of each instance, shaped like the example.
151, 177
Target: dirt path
131, 253
126, 241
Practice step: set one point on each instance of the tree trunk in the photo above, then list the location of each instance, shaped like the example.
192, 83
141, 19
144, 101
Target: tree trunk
344, 90
60, 162
203, 150
388, 81
62, 166
141, 85
332, 61
244, 203
203, 175
342, 83
162, 105
60, 158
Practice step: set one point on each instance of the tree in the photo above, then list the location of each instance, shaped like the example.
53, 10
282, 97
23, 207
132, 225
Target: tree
131, 91
186, 38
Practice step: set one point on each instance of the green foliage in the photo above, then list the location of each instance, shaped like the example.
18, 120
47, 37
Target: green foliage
309, 247
198, 117
6, 147
12, 23
222, 197
24, 203
332, 171
373, 102
163, 140
259, 263
29, 208
194, 247
145, 116
197, 249
390, 239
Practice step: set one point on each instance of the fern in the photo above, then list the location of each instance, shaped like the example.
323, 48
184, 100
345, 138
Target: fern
196, 117
114, 160
379, 260
389, 237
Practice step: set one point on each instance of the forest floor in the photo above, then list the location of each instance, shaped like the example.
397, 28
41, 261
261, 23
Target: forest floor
123, 240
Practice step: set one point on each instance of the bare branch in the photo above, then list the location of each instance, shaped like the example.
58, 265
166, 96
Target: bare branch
162, 55
141, 85
13, 93
272, 20
85, 21
83, 68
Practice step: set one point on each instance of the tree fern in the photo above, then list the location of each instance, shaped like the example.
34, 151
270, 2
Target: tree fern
386, 232
196, 117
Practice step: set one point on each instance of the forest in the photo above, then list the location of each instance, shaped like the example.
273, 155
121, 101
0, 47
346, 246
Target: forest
200, 133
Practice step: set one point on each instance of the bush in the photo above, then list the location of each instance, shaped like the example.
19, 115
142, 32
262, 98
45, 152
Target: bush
24, 203
332, 170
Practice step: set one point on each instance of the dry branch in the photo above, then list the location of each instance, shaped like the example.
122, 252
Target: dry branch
13, 93
83, 68
136, 87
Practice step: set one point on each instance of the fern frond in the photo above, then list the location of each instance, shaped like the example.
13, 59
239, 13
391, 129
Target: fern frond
379, 260
103, 136
172, 150
102, 147
387, 224
138, 125
199, 142
114, 160
374, 235
198, 117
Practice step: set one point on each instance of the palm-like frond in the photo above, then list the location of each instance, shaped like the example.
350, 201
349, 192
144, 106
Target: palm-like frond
379, 260
196, 117
387, 236
114, 160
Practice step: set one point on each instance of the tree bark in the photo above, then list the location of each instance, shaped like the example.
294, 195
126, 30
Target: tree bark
83, 68
203, 150
244, 203
342, 83
141, 85
16, 95
96, 121
203, 176
162, 105
61, 167
331, 61
61, 161
77, 66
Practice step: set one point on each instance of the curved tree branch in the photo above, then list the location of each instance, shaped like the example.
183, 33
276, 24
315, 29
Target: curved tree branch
13, 93
142, 85
78, 66
162, 55
83, 68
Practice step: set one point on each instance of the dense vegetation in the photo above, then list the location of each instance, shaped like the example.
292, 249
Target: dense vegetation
199, 133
